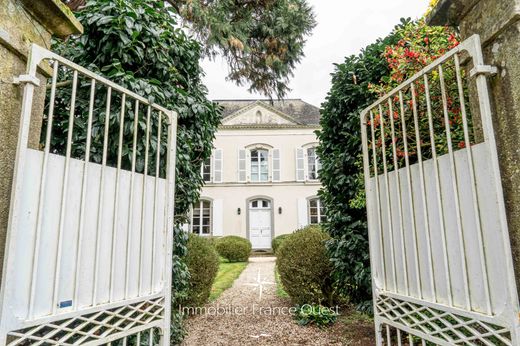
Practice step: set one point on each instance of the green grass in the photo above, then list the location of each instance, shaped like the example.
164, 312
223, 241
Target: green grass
280, 292
227, 274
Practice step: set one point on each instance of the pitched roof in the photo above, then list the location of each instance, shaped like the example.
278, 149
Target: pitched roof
303, 112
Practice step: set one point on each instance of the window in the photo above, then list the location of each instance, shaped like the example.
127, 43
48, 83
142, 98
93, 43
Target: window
313, 164
307, 163
260, 204
259, 165
316, 211
211, 169
201, 218
206, 170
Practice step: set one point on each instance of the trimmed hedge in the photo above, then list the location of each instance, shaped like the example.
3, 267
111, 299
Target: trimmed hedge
233, 248
203, 262
277, 241
304, 267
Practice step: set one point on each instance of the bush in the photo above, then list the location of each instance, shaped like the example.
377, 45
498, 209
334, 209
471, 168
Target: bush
233, 248
202, 260
305, 268
277, 241
388, 61
319, 315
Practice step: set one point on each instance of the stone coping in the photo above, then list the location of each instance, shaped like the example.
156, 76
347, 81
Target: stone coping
450, 12
55, 16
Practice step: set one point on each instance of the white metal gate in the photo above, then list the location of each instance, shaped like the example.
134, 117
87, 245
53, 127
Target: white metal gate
88, 257
440, 253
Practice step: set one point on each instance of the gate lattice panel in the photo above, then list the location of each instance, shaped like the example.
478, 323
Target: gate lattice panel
440, 254
88, 257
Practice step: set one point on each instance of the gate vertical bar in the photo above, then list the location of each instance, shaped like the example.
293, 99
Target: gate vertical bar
171, 164
18, 173
64, 191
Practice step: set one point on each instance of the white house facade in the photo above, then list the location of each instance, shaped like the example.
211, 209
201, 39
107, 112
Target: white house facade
262, 178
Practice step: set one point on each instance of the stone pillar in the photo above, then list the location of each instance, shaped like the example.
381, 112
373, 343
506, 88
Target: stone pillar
23, 22
498, 24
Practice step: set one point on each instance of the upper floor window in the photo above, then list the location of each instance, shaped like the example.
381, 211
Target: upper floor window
212, 168
307, 163
206, 170
313, 164
259, 165
201, 218
316, 211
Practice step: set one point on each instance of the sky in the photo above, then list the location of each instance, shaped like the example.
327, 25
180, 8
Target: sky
344, 28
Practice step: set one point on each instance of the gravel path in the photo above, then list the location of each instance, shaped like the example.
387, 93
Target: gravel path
242, 317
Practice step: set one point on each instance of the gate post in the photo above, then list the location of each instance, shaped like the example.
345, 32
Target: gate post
498, 24
23, 22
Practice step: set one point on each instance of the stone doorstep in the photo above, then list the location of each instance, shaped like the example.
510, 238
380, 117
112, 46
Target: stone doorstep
262, 253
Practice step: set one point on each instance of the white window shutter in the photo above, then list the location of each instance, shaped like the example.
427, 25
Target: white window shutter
242, 166
300, 165
277, 167
218, 218
218, 166
303, 217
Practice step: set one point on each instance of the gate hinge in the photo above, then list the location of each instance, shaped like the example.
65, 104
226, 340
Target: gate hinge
25, 78
483, 69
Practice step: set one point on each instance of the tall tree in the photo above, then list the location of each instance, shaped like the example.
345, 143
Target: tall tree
261, 40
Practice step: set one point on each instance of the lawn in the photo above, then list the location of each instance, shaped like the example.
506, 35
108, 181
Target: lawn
227, 274
280, 292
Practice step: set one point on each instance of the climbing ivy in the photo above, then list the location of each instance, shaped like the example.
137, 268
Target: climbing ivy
139, 45
339, 151
356, 84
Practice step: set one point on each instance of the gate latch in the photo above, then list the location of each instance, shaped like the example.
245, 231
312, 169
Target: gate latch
25, 78
483, 69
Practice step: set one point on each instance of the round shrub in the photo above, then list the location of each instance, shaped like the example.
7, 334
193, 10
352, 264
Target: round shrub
202, 261
277, 241
304, 267
233, 248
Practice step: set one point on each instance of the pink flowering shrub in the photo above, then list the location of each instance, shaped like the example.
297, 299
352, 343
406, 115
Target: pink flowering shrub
419, 46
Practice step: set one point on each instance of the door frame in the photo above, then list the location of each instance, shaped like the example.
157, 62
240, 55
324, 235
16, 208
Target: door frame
248, 209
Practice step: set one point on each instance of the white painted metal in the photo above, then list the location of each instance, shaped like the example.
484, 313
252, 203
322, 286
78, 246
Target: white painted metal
88, 258
440, 253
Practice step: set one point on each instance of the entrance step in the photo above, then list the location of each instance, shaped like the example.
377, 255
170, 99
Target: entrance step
262, 253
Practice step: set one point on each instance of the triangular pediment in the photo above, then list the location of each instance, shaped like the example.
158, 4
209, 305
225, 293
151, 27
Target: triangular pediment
258, 113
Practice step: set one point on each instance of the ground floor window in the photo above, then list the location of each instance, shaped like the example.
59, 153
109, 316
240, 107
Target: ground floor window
316, 211
201, 218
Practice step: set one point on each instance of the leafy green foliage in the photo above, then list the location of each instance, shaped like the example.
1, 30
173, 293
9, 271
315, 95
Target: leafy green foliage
318, 315
357, 83
277, 241
304, 267
203, 264
262, 41
419, 46
138, 44
233, 248
340, 155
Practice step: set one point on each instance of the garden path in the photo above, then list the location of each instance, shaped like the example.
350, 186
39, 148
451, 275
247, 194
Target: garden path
244, 316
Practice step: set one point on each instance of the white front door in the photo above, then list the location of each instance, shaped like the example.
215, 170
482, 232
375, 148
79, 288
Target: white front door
260, 223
